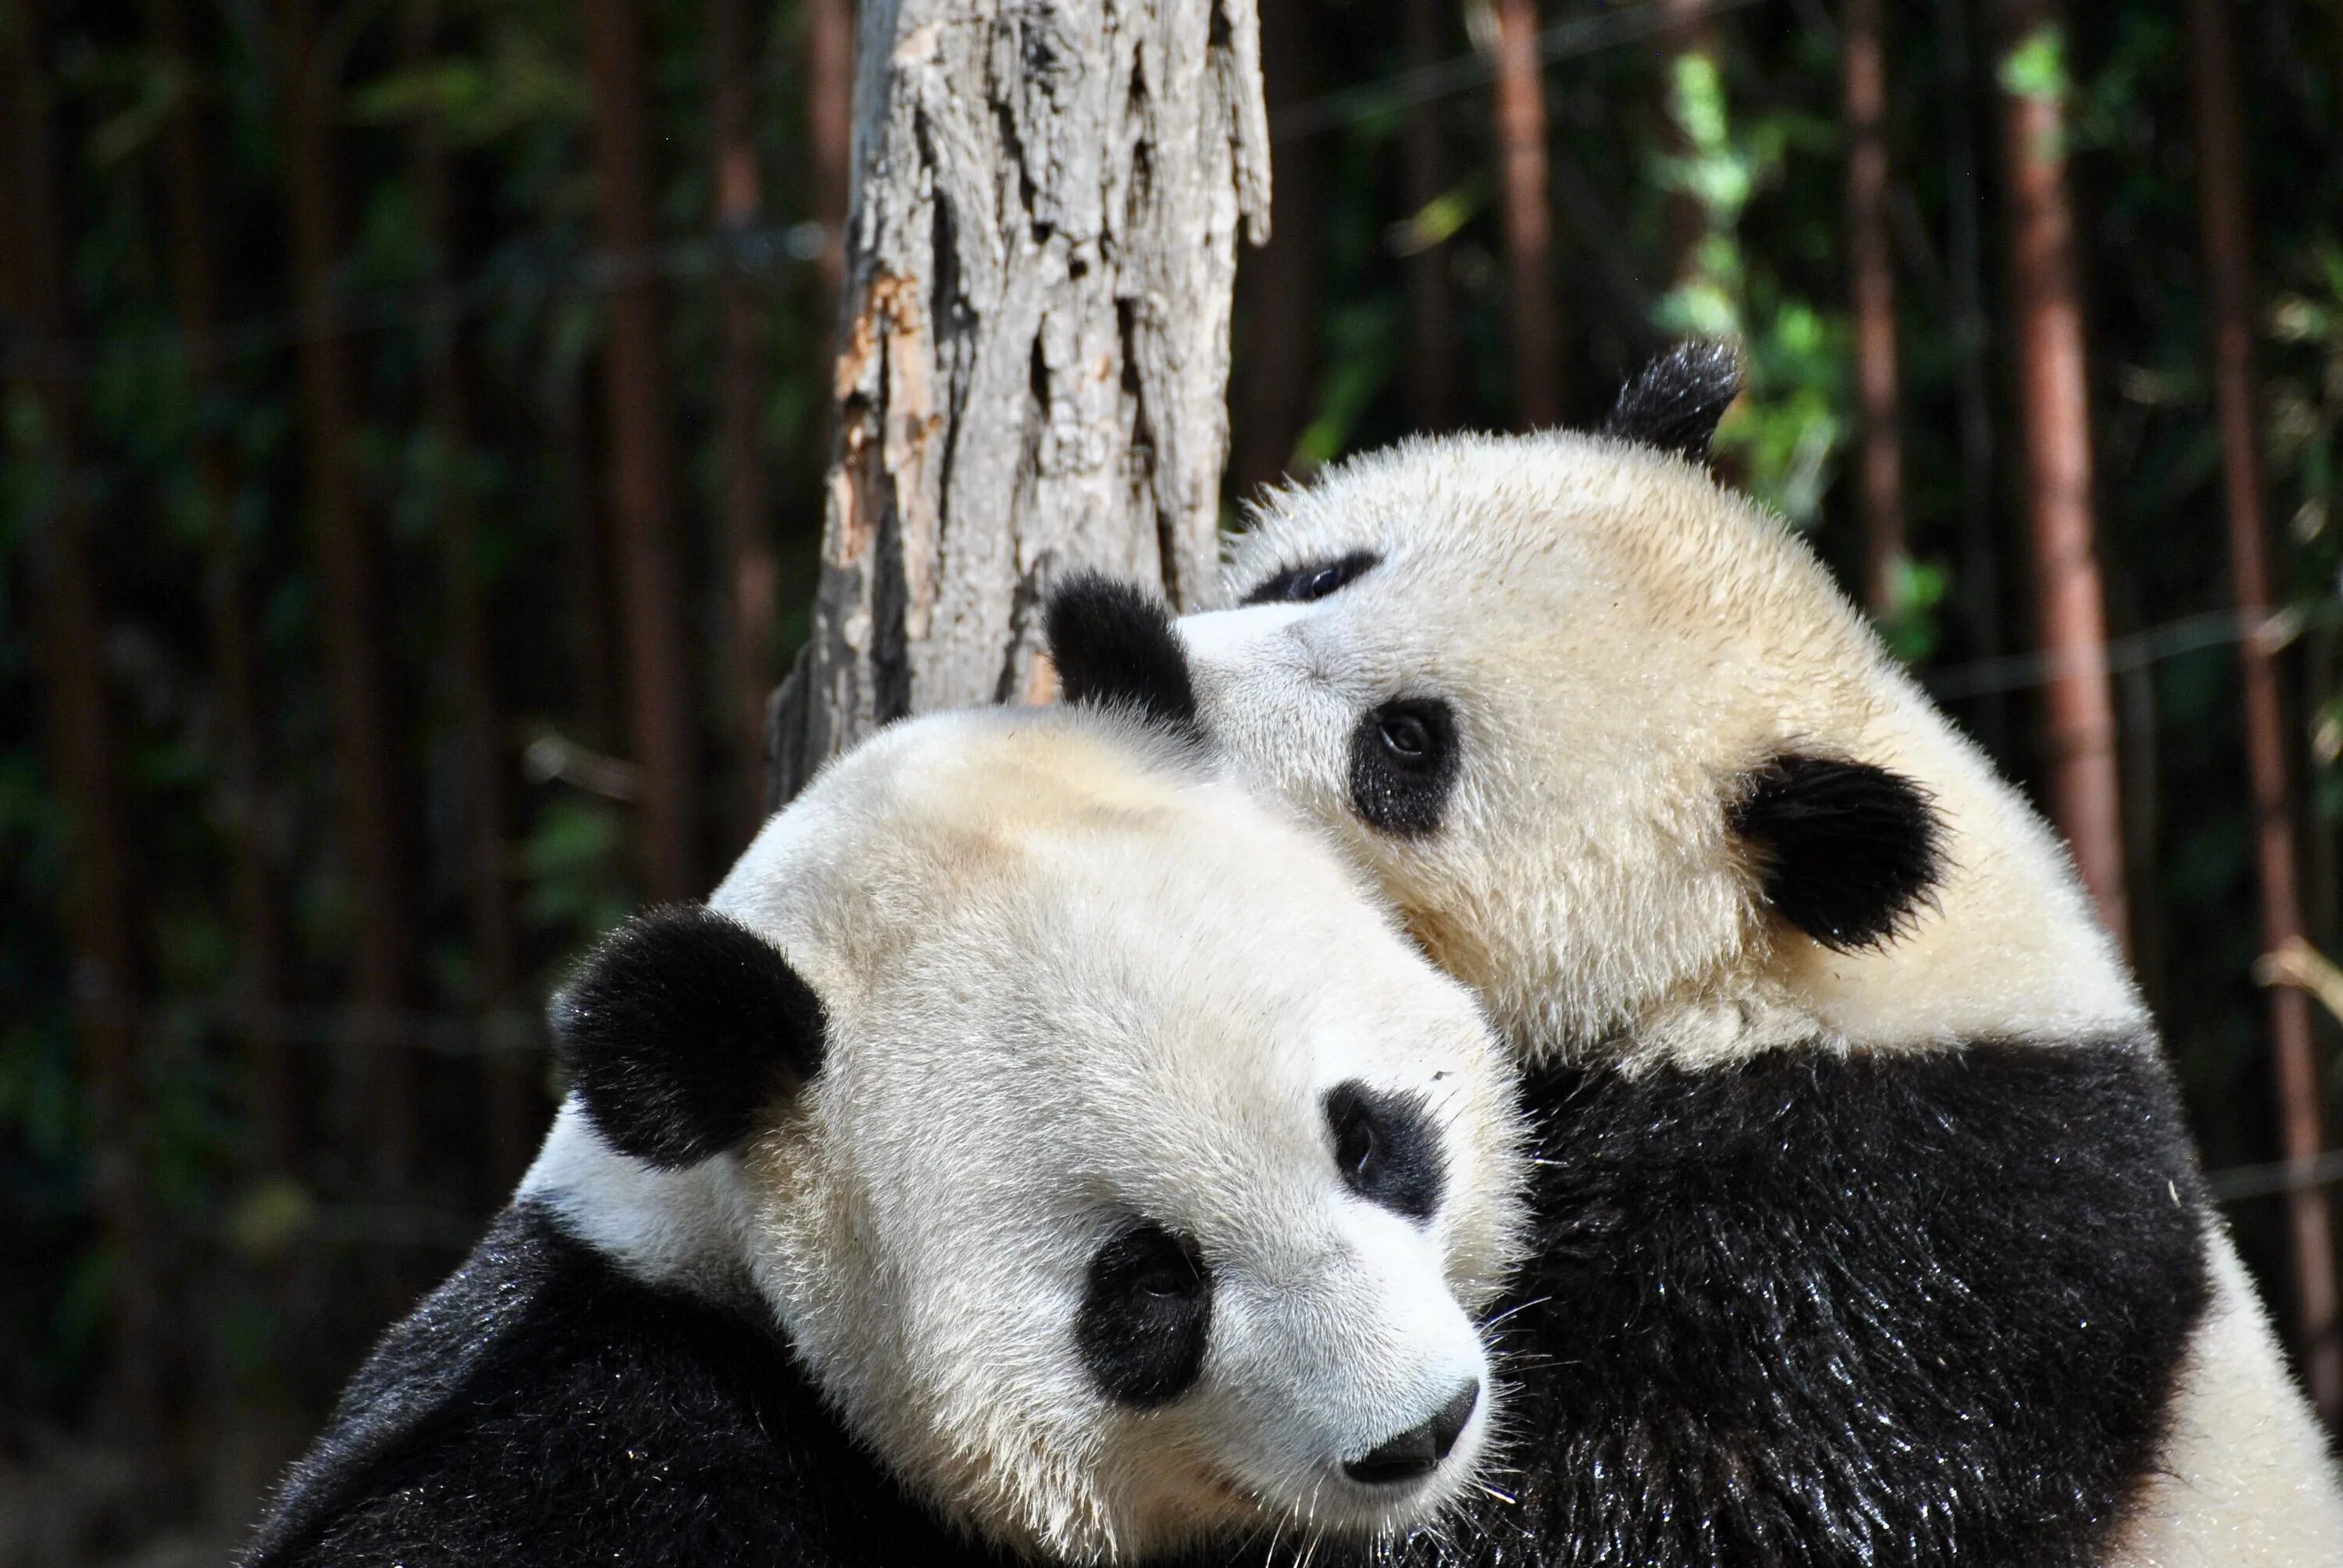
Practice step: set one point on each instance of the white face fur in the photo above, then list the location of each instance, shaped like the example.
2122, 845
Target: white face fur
1149, 1181
1525, 679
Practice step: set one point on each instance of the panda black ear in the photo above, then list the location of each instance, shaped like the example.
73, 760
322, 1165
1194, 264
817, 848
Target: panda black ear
1847, 851
678, 1030
1676, 402
1115, 647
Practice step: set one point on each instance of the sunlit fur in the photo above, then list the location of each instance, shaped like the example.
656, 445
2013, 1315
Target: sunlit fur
1624, 641
1070, 980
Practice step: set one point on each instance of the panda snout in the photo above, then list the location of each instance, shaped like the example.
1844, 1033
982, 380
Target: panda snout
1420, 1450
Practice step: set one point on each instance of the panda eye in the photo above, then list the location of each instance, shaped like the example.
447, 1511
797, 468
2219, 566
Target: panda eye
1405, 737
1386, 1148
1314, 581
1146, 1315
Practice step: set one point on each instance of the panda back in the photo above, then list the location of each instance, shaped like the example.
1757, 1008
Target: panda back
542, 1407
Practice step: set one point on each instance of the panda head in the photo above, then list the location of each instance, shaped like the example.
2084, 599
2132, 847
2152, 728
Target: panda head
1625, 758
1116, 1169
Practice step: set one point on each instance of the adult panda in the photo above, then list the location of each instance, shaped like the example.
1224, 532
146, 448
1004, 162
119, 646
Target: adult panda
1866, 1228
1032, 1147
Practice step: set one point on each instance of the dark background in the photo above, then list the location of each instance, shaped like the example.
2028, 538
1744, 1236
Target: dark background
308, 1058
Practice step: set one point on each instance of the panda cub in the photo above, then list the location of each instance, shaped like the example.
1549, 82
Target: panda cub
1032, 1145
1866, 1228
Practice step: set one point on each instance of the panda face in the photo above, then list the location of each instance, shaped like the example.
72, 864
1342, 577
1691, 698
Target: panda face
1147, 1183
1597, 726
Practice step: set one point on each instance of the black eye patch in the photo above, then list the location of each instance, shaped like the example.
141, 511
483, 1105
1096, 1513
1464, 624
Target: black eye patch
1387, 1149
1404, 765
1313, 580
1147, 1310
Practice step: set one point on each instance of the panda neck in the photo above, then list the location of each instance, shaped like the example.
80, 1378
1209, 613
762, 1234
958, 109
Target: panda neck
2008, 948
677, 1228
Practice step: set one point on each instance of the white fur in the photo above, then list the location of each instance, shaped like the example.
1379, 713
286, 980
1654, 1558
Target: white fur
1624, 640
1070, 981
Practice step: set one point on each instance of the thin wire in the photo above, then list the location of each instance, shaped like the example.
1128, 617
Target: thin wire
1569, 39
750, 248
2135, 651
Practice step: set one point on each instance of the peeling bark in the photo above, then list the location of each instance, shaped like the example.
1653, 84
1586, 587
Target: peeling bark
1034, 352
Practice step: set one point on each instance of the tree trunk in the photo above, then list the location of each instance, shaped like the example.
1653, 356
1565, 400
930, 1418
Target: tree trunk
512, 1107
261, 944
1871, 277
1529, 219
2222, 177
350, 571
1278, 292
2054, 401
1035, 356
1972, 396
829, 129
642, 467
1431, 314
749, 571
1687, 33
84, 750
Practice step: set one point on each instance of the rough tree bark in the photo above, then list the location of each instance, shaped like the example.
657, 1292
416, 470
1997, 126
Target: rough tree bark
2224, 211
512, 1103
262, 949
1034, 357
84, 748
642, 463
1871, 287
350, 615
2055, 400
1529, 217
1431, 374
748, 569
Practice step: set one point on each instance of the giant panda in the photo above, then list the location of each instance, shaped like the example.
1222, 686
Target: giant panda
1032, 1147
1866, 1228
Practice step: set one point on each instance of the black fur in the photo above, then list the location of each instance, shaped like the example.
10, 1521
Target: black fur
1847, 851
1674, 402
1147, 1311
1313, 581
1818, 1311
541, 1409
1387, 1149
1403, 766
1113, 645
678, 1030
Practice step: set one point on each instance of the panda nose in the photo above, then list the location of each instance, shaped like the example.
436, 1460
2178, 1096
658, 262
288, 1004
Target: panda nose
1418, 1451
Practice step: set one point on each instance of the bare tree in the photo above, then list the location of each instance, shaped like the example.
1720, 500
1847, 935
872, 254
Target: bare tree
84, 750
642, 465
2054, 402
511, 1101
1278, 289
1431, 314
1687, 34
350, 611
1871, 280
830, 125
2223, 208
745, 528
1529, 216
1034, 357
262, 951
1980, 549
